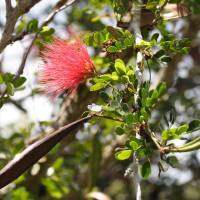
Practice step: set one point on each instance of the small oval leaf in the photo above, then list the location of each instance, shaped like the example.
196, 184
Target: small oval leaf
122, 155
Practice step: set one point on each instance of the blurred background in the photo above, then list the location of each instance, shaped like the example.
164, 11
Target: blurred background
84, 161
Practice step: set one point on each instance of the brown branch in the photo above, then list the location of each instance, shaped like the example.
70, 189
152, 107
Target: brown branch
12, 16
55, 10
20, 36
8, 5
158, 11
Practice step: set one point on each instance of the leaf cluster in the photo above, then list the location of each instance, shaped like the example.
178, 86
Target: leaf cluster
6, 79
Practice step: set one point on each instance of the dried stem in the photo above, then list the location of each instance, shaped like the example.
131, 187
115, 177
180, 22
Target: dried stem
58, 7
158, 11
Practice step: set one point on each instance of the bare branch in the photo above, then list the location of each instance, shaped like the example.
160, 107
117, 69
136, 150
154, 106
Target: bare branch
55, 10
12, 16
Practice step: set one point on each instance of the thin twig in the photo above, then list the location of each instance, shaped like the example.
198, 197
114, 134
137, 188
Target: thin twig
158, 11
55, 10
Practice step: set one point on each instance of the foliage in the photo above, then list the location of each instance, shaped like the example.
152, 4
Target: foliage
119, 94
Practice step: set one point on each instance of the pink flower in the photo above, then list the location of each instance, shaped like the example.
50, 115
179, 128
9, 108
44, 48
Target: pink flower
66, 64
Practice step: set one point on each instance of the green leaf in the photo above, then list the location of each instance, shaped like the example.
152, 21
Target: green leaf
165, 135
108, 108
5, 77
120, 61
85, 114
98, 86
153, 43
119, 130
163, 166
144, 93
133, 138
155, 36
133, 145
145, 169
1, 78
165, 120
32, 26
105, 97
168, 37
115, 104
161, 127
124, 79
127, 42
139, 102
167, 59
173, 161
93, 120
148, 150
114, 32
143, 44
129, 118
96, 80
46, 31
112, 49
19, 81
151, 4
182, 129
120, 68
184, 50
141, 152
160, 53
119, 45
112, 67
193, 124
172, 116
161, 88
89, 41
10, 88
136, 116
127, 34
183, 42
127, 128
98, 38
122, 155
145, 114
125, 107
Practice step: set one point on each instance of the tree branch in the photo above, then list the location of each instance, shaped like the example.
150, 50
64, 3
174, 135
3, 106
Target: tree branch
55, 10
8, 5
158, 11
135, 28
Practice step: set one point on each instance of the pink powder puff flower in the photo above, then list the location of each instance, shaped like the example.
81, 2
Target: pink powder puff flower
66, 64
